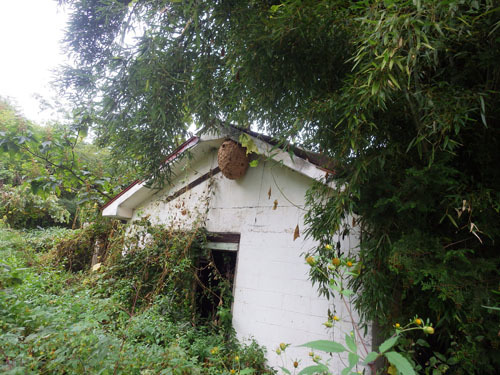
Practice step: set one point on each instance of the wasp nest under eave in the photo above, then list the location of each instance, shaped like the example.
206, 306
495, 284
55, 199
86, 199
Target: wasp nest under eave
232, 159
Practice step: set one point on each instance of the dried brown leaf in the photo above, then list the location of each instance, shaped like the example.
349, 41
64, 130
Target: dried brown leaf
296, 233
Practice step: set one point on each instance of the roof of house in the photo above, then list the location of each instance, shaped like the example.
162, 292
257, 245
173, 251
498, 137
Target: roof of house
176, 153
310, 164
320, 160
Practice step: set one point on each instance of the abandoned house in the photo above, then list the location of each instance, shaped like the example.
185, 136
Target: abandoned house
256, 215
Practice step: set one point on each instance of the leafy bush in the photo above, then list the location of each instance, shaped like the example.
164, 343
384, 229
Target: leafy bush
20, 208
57, 321
43, 240
76, 249
149, 261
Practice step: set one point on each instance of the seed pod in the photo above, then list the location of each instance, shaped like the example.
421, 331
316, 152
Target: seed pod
429, 330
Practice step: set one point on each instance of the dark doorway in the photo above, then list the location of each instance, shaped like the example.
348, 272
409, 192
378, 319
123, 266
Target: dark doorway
216, 274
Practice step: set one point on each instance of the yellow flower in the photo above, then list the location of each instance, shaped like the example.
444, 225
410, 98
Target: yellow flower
336, 318
418, 321
214, 350
283, 346
349, 264
328, 246
237, 359
295, 364
233, 371
336, 262
310, 260
397, 325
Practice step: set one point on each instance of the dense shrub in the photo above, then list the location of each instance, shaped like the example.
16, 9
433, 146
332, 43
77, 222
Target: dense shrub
20, 208
76, 249
55, 321
43, 240
151, 261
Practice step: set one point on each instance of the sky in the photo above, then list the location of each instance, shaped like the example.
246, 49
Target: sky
30, 35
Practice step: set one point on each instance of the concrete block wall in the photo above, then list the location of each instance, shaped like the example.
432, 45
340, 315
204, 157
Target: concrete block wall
274, 301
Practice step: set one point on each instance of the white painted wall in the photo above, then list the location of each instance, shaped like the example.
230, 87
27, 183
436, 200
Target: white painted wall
273, 301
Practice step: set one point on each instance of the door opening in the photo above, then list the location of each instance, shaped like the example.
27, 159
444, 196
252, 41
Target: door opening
216, 275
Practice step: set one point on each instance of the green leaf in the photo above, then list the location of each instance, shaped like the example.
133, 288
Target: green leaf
351, 344
370, 357
423, 343
438, 28
394, 81
247, 371
347, 292
491, 307
387, 344
353, 359
313, 370
254, 163
452, 220
439, 356
453, 361
326, 346
274, 8
401, 363
353, 274
285, 370
247, 142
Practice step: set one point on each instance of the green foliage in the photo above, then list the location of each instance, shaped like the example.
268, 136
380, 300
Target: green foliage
203, 62
150, 261
55, 161
43, 240
74, 252
338, 271
53, 321
19, 208
153, 261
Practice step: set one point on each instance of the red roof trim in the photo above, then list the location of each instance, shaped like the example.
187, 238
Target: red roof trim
178, 151
121, 193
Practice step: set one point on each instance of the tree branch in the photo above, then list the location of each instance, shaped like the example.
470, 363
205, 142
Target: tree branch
63, 167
